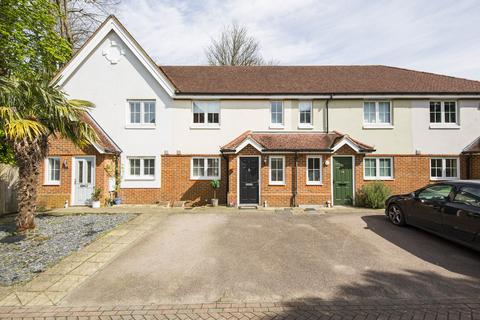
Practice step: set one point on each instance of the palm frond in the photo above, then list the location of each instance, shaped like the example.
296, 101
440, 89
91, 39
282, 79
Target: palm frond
19, 129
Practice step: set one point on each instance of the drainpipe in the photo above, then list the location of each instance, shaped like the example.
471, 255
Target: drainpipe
227, 177
294, 181
328, 100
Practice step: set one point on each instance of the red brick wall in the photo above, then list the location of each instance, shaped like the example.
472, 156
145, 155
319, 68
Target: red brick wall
55, 196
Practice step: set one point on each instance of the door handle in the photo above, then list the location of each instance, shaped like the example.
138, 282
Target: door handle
249, 184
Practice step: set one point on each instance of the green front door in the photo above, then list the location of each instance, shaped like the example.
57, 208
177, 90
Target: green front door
342, 180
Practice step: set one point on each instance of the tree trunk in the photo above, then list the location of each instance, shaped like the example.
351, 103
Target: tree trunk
28, 155
64, 24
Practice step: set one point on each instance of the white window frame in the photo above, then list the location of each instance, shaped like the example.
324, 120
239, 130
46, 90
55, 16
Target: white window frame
377, 123
444, 168
314, 183
277, 125
205, 124
377, 169
442, 124
276, 183
142, 124
47, 180
205, 176
306, 125
142, 175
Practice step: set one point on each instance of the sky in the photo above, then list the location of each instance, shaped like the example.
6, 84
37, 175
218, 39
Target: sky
437, 36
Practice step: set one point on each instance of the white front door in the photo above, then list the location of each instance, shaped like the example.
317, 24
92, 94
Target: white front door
83, 179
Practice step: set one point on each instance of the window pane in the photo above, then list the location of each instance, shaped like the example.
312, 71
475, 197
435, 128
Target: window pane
276, 169
149, 112
199, 118
385, 167
369, 112
135, 167
469, 195
276, 112
451, 168
213, 167
134, 112
435, 112
213, 118
80, 172
313, 168
384, 112
89, 171
54, 169
436, 168
305, 109
436, 192
370, 168
450, 112
149, 167
198, 167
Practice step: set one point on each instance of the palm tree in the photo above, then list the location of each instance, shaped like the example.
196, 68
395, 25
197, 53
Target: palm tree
32, 110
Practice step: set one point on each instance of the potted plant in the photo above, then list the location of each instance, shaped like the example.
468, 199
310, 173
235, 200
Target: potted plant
96, 194
215, 185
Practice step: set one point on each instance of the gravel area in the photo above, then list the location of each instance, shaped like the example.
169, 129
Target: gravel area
55, 237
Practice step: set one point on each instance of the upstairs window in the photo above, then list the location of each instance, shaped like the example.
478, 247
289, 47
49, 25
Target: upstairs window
205, 168
206, 113
52, 170
305, 110
142, 113
276, 113
443, 112
142, 168
377, 113
444, 168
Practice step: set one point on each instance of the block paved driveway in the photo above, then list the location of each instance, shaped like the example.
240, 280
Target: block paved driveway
267, 257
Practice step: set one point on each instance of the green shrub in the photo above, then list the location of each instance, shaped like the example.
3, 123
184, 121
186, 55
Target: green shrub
373, 195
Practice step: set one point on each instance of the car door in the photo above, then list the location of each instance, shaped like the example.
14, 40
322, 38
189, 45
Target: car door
461, 217
427, 206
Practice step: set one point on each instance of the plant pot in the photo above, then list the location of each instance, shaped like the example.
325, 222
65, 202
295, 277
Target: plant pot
96, 204
117, 201
214, 202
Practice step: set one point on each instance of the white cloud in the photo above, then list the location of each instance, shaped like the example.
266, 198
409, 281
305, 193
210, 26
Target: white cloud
436, 36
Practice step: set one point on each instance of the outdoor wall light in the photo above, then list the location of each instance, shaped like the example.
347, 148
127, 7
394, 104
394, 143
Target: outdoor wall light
65, 164
327, 163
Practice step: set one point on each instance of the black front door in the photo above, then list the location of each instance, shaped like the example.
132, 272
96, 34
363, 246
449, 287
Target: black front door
249, 180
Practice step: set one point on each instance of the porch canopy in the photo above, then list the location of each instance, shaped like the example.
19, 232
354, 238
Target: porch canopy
325, 142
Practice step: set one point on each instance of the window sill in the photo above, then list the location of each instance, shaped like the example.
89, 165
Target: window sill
305, 126
451, 126
51, 183
205, 126
378, 126
314, 183
443, 179
205, 178
272, 183
140, 179
276, 126
141, 126
378, 179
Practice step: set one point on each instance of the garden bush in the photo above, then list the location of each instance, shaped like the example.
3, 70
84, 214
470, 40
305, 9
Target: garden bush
373, 195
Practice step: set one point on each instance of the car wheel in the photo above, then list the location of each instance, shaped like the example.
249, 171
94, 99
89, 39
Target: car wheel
395, 215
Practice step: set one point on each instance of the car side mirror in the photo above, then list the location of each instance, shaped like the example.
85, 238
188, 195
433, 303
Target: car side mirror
413, 195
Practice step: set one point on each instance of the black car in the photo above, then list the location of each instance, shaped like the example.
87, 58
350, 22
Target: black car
450, 209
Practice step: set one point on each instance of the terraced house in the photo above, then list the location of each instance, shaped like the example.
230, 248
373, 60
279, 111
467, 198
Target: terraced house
273, 135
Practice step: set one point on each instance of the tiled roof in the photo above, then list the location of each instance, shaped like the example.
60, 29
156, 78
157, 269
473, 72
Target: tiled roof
368, 79
104, 141
473, 147
293, 141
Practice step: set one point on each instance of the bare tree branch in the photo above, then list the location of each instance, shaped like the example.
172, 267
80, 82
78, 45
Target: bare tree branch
234, 48
78, 19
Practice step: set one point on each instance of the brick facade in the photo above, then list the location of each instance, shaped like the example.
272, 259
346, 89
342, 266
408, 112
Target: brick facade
410, 172
54, 196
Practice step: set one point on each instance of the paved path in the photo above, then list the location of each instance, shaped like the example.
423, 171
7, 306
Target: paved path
454, 309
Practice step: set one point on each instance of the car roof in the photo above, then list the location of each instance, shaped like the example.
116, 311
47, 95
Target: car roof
461, 182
